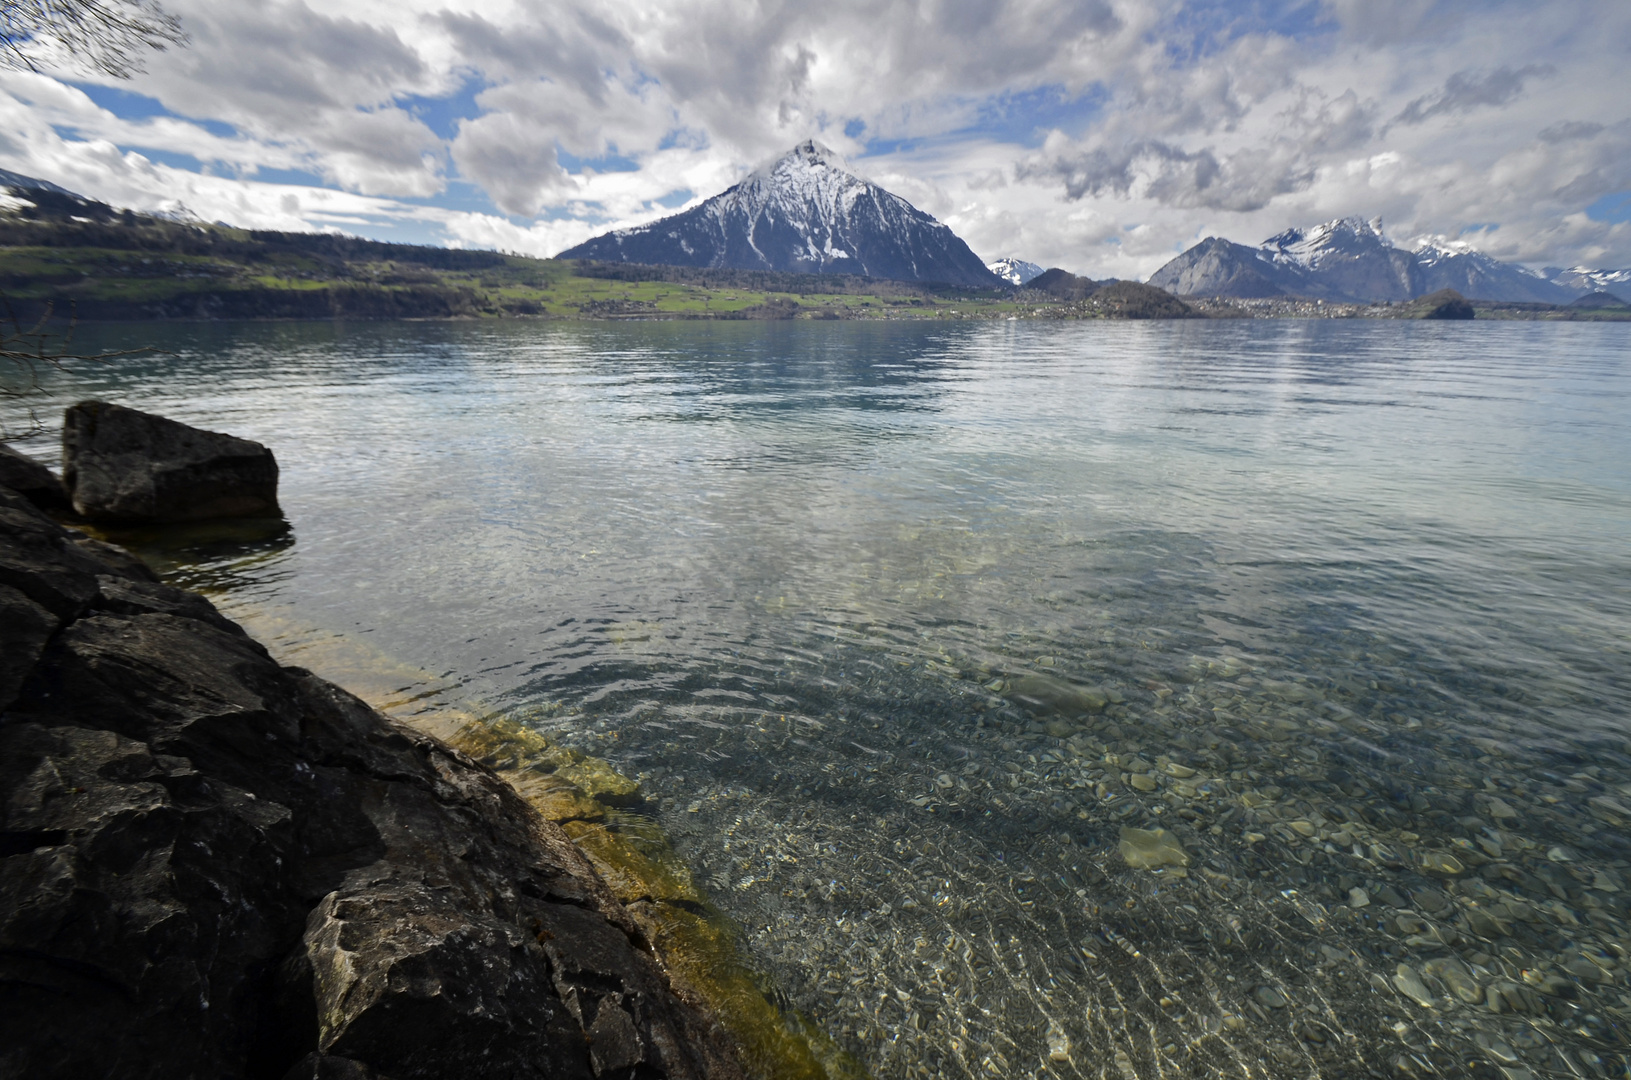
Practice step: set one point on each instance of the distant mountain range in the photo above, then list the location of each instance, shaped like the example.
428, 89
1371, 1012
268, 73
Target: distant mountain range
1015, 271
1351, 260
806, 212
1588, 280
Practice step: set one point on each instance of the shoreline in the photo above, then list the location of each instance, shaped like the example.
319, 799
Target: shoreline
394, 905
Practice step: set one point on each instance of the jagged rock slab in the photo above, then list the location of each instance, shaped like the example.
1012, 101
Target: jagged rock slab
31, 479
805, 213
123, 465
215, 866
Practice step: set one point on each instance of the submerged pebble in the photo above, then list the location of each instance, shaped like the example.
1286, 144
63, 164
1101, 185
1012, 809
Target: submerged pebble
1150, 849
1217, 863
1410, 985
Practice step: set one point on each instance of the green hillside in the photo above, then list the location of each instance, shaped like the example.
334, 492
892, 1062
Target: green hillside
90, 261
99, 263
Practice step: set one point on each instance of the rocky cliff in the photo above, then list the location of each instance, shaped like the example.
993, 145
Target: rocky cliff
215, 866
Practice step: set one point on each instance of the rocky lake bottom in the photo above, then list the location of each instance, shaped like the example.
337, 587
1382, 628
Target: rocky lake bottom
1206, 700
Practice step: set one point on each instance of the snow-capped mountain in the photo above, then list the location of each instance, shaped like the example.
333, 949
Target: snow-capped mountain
1456, 264
1351, 259
1014, 271
1313, 247
806, 212
1583, 279
1348, 257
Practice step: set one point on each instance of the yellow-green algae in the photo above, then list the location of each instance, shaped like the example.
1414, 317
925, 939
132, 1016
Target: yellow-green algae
695, 942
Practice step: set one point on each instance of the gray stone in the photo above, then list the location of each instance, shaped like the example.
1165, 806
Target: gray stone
1045, 694
1408, 983
1430, 900
1390, 896
125, 466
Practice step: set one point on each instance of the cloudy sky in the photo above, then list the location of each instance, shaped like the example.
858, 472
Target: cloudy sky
1103, 136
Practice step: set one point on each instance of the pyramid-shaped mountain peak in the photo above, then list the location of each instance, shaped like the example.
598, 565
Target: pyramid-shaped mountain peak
806, 212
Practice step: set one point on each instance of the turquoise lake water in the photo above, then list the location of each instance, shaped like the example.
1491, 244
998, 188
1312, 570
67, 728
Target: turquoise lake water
1169, 699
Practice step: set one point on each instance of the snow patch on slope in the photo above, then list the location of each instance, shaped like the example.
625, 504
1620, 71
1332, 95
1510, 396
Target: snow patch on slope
1309, 248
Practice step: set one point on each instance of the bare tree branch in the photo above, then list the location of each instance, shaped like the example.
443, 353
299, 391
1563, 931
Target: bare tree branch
108, 36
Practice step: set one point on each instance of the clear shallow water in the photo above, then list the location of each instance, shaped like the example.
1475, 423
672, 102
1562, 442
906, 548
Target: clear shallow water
810, 584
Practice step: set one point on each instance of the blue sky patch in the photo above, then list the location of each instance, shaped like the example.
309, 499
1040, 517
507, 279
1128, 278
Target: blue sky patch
1615, 208
289, 176
131, 106
442, 114
1202, 30
613, 162
1025, 117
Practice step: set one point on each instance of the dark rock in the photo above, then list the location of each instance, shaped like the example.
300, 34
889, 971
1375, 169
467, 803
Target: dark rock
25, 627
126, 466
1430, 900
1599, 300
29, 478
1444, 304
1063, 285
328, 1067
217, 866
44, 561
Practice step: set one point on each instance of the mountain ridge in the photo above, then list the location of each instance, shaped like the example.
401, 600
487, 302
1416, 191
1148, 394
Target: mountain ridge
1351, 260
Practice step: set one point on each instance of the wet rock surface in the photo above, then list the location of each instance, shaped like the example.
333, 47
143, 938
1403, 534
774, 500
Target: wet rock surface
215, 866
126, 466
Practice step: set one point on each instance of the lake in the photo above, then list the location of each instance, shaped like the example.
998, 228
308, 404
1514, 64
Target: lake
1088, 699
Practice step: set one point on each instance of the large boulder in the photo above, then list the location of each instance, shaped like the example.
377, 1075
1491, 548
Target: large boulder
29, 478
215, 866
125, 466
